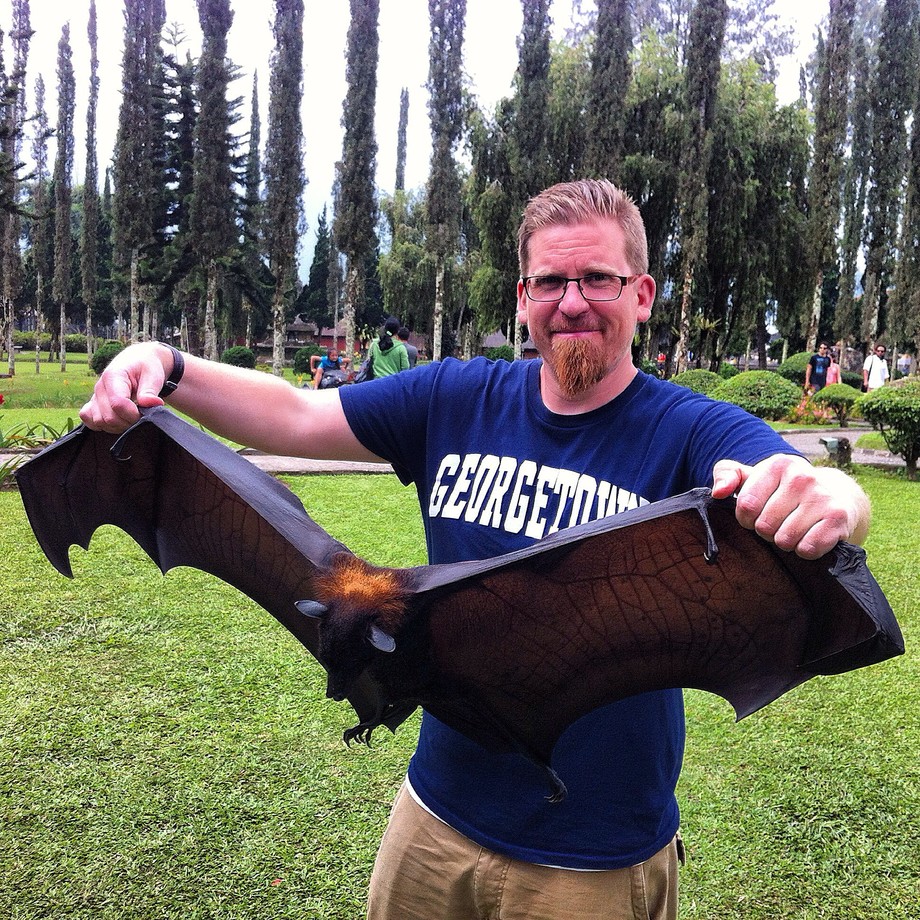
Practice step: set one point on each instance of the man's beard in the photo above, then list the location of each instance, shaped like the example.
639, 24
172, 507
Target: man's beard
577, 365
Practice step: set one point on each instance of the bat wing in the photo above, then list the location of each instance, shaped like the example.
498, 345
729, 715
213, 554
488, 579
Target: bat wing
187, 500
675, 594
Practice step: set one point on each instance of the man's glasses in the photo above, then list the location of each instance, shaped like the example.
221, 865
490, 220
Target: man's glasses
596, 286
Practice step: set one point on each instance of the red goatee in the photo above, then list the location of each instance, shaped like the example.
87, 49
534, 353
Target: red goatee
577, 365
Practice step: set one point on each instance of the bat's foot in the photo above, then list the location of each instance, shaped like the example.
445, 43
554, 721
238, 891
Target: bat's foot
558, 787
360, 733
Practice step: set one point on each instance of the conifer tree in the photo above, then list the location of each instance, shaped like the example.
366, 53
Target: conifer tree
252, 206
356, 212
401, 140
891, 100
63, 176
138, 143
89, 238
707, 31
284, 177
40, 222
447, 18
13, 119
827, 162
610, 76
212, 212
855, 188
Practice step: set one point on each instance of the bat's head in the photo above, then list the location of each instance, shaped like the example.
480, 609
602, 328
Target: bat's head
360, 610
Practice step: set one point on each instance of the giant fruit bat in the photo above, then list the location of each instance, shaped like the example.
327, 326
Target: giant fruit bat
508, 650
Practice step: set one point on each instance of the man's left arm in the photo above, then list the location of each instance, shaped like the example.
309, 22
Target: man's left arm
800, 508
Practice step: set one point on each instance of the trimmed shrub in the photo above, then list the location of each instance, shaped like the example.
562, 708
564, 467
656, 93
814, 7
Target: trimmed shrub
895, 410
727, 371
839, 398
103, 355
793, 368
239, 356
698, 380
500, 353
762, 393
302, 358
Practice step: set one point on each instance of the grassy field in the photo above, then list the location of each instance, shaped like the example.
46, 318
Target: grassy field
166, 749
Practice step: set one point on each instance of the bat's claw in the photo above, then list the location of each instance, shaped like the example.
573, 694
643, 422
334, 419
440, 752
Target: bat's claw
360, 733
559, 790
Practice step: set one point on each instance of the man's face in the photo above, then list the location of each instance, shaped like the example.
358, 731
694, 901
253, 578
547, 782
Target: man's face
585, 345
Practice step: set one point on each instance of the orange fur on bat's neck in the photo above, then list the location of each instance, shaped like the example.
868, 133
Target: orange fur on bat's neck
354, 585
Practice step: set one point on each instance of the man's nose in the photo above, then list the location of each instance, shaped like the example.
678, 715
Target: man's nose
572, 303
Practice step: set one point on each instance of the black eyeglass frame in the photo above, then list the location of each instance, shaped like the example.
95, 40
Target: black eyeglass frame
623, 279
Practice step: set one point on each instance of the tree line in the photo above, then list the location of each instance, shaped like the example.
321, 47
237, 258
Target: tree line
801, 217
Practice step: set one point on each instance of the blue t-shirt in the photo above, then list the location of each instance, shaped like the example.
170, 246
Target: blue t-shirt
495, 471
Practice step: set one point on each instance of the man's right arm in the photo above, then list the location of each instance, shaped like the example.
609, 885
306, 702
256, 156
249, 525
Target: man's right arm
248, 407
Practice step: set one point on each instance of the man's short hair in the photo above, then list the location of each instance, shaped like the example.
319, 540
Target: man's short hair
580, 201
403, 333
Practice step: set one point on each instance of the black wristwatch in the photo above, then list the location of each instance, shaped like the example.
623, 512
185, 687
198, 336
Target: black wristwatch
178, 369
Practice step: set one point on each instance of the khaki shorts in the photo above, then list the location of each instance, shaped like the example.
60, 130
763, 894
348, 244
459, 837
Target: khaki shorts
426, 870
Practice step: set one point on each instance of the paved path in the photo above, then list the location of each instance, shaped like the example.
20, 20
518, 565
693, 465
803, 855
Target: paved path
808, 442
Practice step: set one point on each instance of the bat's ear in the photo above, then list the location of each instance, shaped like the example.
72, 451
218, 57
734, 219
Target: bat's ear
381, 641
312, 608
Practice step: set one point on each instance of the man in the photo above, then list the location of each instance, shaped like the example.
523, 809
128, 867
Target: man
816, 371
501, 454
875, 370
403, 336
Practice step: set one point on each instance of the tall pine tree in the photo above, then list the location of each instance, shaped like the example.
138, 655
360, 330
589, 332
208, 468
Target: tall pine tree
356, 213
445, 75
827, 162
63, 193
89, 237
284, 177
213, 206
707, 31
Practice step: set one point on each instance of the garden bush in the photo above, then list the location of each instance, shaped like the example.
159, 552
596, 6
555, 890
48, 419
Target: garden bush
500, 353
239, 356
793, 368
103, 355
895, 410
698, 380
727, 371
302, 358
840, 399
762, 393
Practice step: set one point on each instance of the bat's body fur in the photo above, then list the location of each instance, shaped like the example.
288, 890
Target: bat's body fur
510, 650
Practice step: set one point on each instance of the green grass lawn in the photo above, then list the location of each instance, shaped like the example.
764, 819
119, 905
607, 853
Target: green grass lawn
167, 751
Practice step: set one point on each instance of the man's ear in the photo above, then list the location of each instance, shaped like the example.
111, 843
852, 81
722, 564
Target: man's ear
521, 303
645, 297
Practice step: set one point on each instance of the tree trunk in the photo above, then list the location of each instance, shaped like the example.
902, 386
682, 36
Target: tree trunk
63, 337
39, 323
210, 313
278, 332
438, 309
682, 349
352, 289
814, 319
11, 351
134, 296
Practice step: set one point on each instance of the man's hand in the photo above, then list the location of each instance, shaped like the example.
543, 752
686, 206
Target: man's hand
133, 378
800, 508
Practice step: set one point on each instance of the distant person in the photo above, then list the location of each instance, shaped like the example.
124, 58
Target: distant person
875, 370
816, 371
388, 357
411, 350
904, 364
331, 361
833, 371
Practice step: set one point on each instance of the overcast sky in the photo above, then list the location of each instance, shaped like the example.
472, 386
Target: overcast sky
490, 57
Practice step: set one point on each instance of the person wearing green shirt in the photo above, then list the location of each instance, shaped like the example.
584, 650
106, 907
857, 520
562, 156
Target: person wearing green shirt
389, 357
